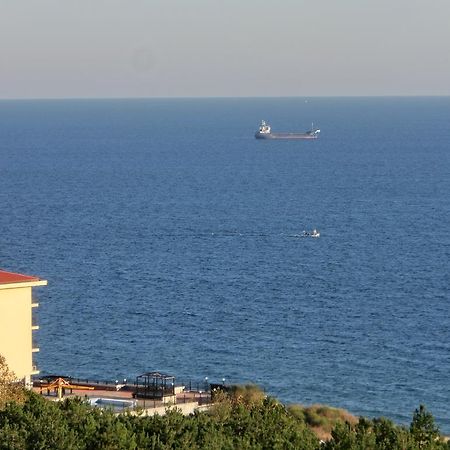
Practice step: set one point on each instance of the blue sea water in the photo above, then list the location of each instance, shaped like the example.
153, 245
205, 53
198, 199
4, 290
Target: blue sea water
170, 238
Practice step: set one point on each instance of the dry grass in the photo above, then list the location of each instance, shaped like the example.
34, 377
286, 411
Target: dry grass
248, 394
321, 418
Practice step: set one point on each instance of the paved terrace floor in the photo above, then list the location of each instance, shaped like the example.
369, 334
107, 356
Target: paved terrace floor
194, 398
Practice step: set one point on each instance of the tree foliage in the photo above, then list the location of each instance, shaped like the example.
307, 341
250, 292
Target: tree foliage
10, 390
237, 421
383, 434
423, 428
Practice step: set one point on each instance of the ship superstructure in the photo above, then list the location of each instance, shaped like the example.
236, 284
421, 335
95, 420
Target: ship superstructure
265, 132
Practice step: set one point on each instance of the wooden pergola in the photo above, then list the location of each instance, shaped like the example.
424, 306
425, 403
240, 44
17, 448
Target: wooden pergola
59, 385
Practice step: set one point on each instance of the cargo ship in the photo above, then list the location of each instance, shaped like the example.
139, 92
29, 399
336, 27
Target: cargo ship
265, 132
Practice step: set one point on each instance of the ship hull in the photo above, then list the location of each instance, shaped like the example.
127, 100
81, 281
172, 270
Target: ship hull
291, 136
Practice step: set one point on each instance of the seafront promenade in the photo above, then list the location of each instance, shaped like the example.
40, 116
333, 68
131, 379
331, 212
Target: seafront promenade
186, 398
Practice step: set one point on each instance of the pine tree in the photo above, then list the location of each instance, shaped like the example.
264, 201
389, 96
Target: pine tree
423, 429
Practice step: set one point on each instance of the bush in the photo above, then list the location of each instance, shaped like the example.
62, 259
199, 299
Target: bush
238, 421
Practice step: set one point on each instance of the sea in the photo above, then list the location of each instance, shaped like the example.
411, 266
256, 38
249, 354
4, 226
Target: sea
172, 240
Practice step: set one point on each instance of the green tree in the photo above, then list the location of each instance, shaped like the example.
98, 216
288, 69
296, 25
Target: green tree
388, 436
343, 437
244, 421
423, 429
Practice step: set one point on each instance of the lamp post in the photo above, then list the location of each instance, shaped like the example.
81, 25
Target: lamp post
206, 384
223, 381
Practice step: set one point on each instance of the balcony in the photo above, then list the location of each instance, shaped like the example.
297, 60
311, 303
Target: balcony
34, 318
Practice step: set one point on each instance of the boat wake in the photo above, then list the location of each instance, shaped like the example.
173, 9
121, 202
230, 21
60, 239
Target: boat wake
237, 234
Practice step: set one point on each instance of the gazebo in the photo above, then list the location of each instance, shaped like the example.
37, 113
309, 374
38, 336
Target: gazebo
154, 385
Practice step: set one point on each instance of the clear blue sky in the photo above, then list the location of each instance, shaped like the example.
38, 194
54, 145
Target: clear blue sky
171, 48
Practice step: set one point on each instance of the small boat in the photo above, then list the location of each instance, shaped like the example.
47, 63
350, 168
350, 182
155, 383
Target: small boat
265, 132
314, 233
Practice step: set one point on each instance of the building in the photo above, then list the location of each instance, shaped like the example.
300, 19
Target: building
16, 323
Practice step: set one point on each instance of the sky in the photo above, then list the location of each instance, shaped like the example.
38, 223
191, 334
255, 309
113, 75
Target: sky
230, 48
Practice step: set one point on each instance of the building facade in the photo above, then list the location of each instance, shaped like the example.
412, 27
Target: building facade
16, 323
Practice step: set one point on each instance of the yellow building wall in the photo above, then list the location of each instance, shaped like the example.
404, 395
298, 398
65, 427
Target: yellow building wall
15, 330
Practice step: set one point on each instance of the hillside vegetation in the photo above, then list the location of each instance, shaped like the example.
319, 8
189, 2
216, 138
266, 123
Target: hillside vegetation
233, 423
243, 418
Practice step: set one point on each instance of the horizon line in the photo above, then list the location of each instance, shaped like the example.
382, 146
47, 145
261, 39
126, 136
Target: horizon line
223, 97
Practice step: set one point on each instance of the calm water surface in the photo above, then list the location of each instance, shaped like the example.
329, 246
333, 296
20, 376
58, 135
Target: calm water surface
170, 239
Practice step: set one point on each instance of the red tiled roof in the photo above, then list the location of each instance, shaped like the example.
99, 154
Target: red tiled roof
11, 277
